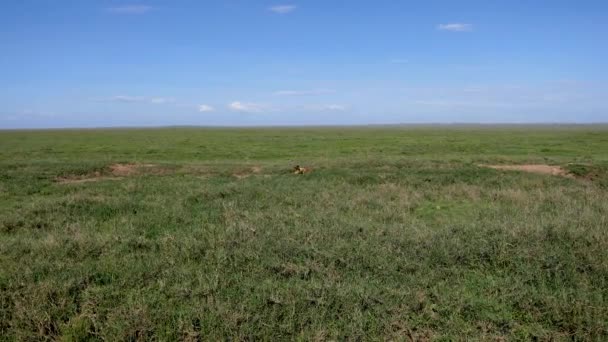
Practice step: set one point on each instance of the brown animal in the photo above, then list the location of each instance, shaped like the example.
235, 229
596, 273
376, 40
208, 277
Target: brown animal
299, 170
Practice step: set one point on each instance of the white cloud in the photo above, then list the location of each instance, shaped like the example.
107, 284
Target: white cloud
247, 107
334, 107
205, 108
282, 9
161, 100
302, 92
130, 9
127, 98
455, 27
141, 99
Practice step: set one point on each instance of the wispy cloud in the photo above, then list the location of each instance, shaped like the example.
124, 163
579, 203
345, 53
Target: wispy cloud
205, 108
140, 99
127, 98
302, 92
247, 107
334, 107
282, 9
455, 27
162, 100
130, 9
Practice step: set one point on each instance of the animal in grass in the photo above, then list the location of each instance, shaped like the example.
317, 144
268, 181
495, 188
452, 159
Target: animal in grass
300, 170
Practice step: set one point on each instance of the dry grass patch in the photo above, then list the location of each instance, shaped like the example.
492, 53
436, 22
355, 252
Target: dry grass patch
124, 169
114, 172
241, 174
534, 168
96, 176
120, 171
84, 179
137, 169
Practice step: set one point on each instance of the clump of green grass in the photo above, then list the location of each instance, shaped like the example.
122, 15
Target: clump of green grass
597, 173
226, 243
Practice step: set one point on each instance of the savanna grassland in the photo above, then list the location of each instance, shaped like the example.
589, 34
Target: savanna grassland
399, 233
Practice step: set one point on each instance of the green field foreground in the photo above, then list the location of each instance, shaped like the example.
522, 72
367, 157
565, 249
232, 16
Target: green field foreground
399, 233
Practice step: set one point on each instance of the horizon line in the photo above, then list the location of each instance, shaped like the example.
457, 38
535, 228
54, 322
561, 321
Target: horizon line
487, 124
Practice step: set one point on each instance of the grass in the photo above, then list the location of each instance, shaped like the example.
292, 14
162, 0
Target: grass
397, 234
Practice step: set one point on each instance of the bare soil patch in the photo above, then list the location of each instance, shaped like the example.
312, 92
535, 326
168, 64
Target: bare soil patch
135, 169
123, 169
112, 172
84, 179
248, 172
534, 168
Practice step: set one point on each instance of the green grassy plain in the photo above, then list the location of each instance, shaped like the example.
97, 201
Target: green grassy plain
398, 234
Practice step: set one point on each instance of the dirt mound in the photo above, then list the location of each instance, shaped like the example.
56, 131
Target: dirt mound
72, 180
112, 172
534, 168
246, 173
123, 169
133, 169
119, 171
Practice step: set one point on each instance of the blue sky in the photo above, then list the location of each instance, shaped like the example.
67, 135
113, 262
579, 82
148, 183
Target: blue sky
145, 63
